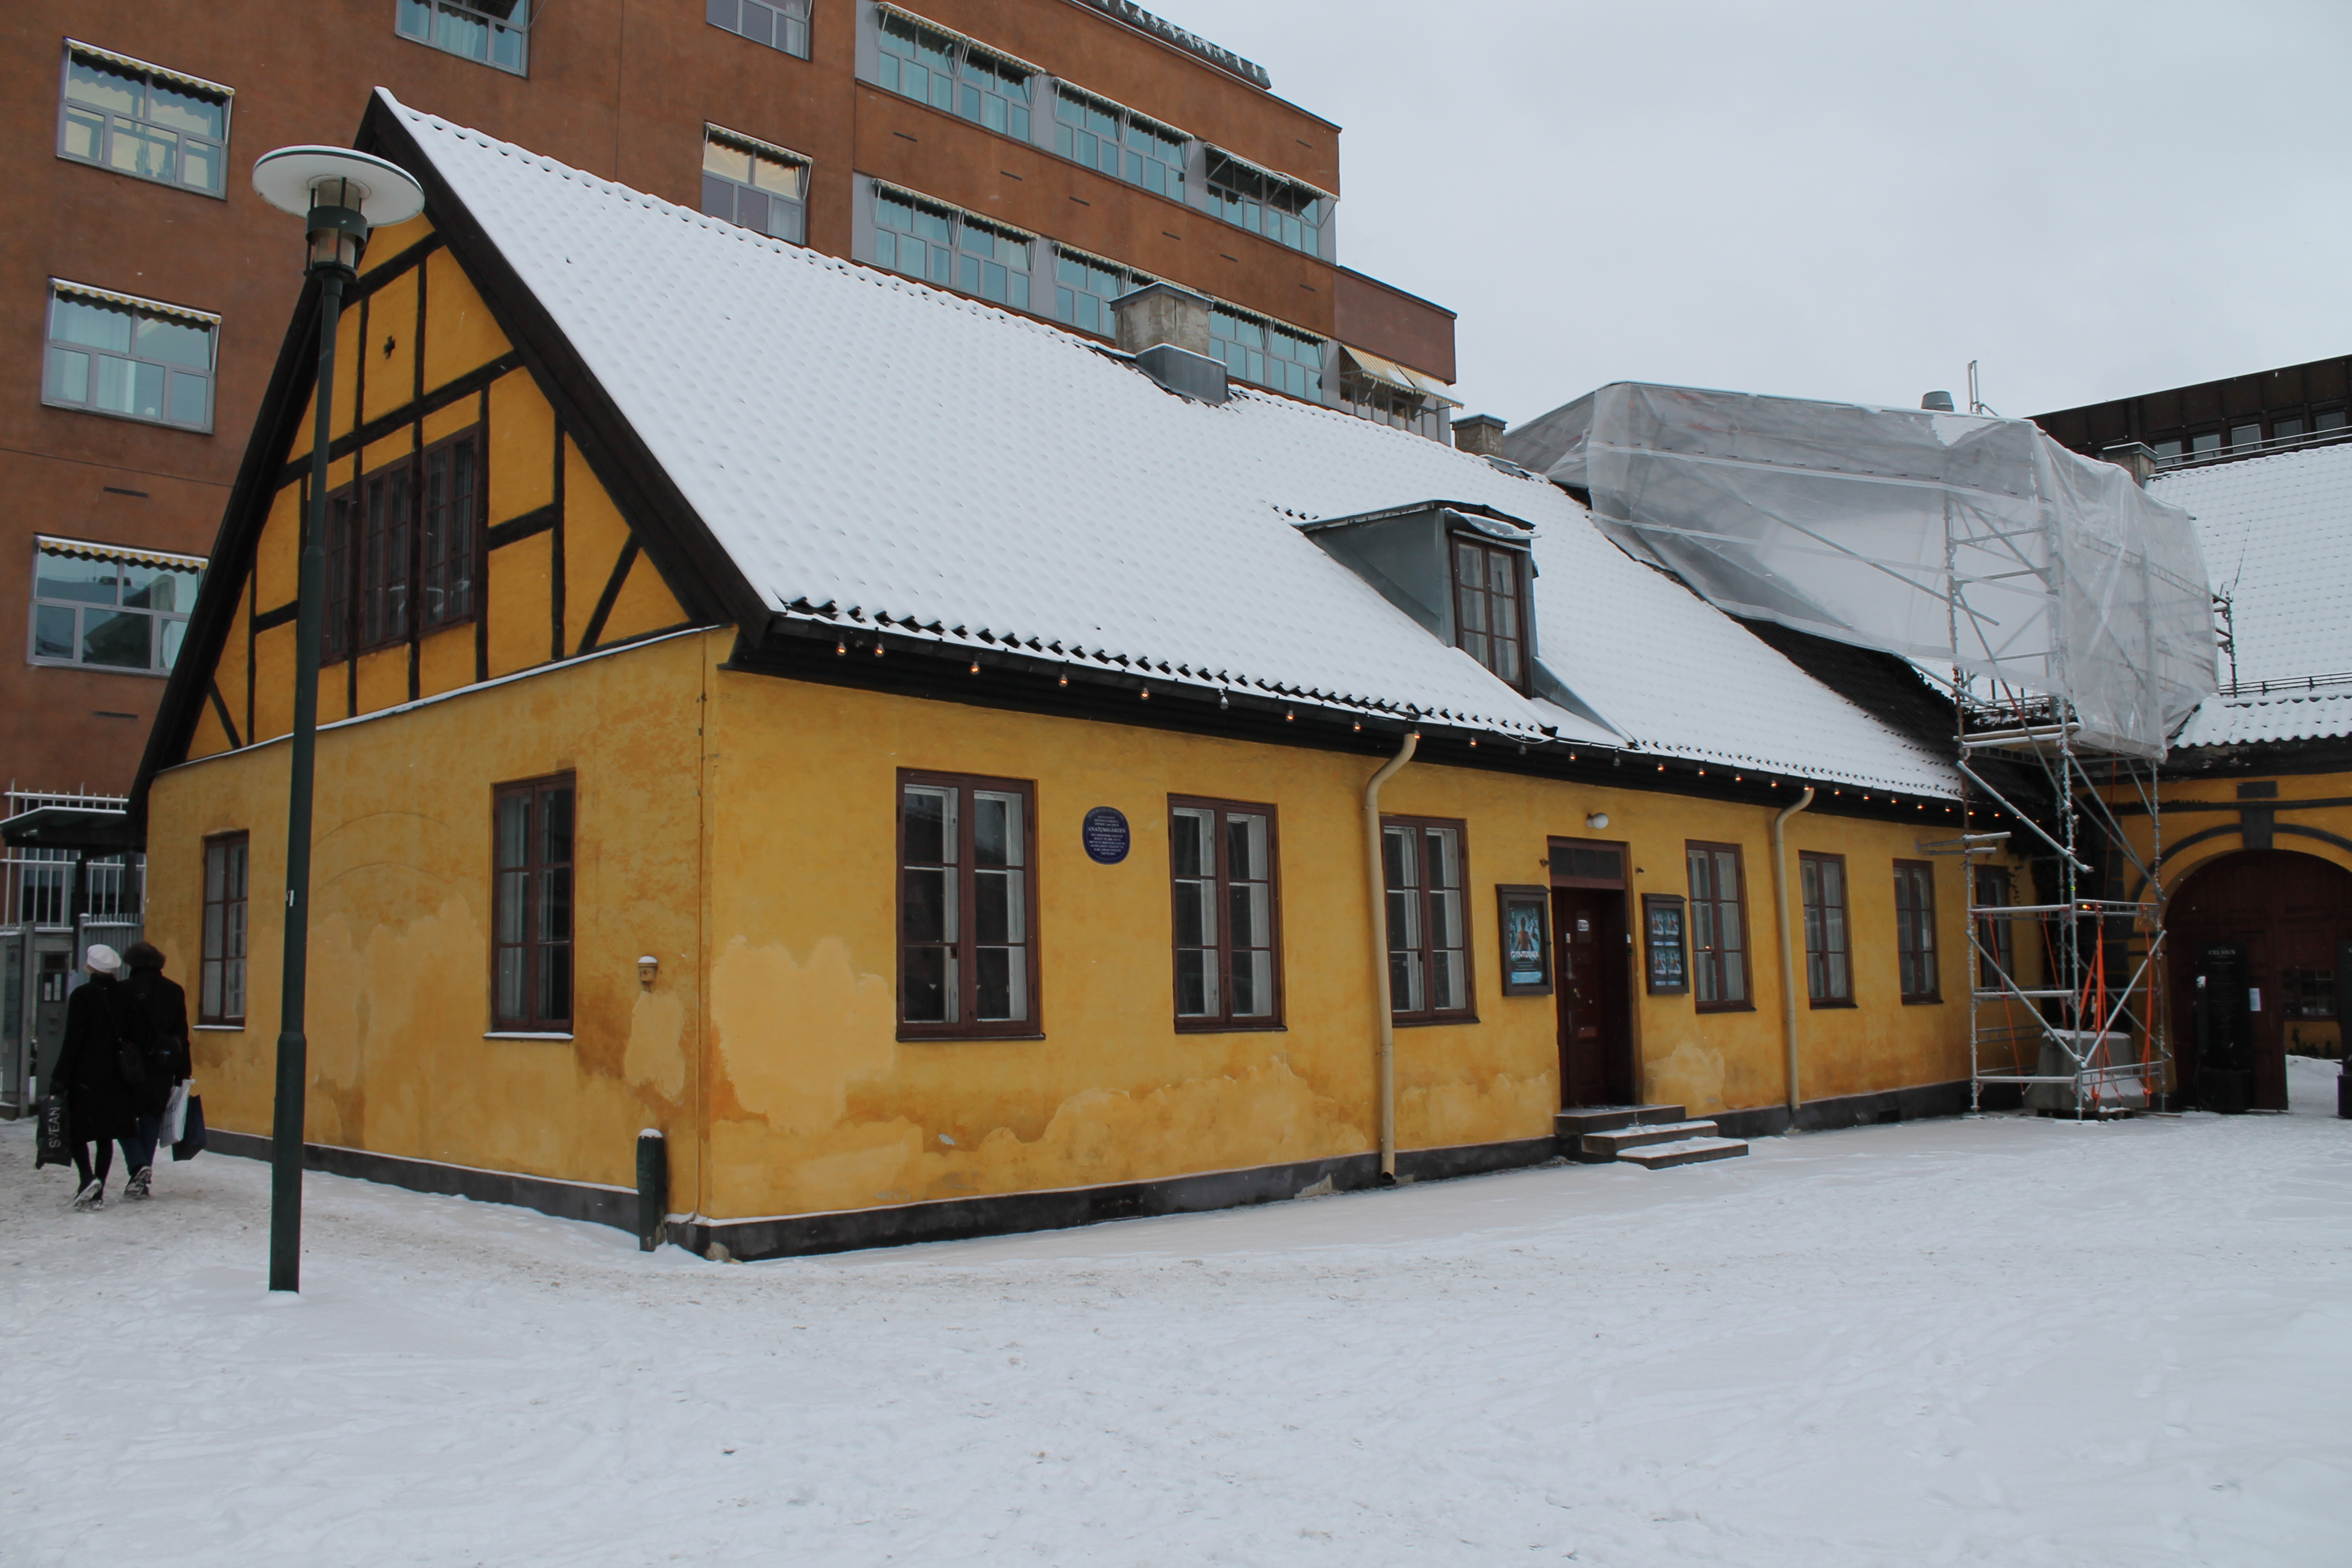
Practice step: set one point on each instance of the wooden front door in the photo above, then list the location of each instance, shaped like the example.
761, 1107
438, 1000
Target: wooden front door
2261, 929
1594, 966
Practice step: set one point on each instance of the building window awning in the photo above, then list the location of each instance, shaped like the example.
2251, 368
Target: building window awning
1387, 372
162, 73
84, 550
1252, 163
133, 302
991, 51
753, 144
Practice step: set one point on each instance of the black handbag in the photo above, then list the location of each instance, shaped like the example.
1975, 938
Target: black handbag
192, 1137
56, 1145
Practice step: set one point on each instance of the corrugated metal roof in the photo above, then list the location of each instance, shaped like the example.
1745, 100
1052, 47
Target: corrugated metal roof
868, 449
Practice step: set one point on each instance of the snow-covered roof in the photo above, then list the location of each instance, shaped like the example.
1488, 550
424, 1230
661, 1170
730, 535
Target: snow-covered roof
2277, 536
865, 449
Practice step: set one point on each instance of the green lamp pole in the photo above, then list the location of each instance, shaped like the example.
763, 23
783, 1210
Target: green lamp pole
341, 195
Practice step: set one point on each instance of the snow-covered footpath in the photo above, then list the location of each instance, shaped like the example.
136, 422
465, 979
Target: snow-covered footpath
2005, 1340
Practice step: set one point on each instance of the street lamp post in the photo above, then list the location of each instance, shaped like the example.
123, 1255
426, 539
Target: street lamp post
343, 195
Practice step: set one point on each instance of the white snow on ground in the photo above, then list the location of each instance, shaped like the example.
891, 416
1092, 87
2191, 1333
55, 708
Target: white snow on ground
2006, 1341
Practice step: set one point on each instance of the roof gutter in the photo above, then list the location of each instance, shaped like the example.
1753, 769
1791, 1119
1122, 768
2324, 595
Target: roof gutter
1376, 886
1788, 957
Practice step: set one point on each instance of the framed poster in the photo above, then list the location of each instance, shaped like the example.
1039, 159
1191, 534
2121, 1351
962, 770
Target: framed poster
1525, 926
1668, 943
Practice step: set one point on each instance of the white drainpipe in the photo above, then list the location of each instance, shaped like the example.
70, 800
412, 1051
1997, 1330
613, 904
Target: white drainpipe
1788, 957
1376, 885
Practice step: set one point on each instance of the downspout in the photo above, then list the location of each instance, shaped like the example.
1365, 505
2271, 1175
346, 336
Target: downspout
1788, 957
1376, 885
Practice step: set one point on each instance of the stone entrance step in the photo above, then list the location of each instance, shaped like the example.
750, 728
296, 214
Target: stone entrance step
1572, 1125
1609, 1146
1684, 1152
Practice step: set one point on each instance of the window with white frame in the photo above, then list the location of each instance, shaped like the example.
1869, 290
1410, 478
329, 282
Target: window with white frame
1084, 288
1283, 210
1257, 350
139, 359
493, 32
142, 120
950, 71
1119, 142
779, 23
748, 181
949, 246
111, 608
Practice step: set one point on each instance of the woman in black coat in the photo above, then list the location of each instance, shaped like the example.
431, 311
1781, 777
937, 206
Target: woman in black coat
99, 1017
162, 1008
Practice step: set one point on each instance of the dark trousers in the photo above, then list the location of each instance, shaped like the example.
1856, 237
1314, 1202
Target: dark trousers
139, 1148
105, 1161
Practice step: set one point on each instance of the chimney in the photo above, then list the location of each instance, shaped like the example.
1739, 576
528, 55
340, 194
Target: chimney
1479, 433
1936, 402
1167, 330
2134, 458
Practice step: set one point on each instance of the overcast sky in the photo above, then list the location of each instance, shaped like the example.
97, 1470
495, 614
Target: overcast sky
1837, 200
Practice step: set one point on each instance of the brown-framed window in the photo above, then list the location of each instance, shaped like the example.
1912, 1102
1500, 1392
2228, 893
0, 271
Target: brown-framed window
1428, 923
220, 984
1490, 607
405, 548
1667, 940
1915, 929
1718, 926
335, 626
383, 557
1828, 957
967, 906
446, 549
532, 925
1222, 859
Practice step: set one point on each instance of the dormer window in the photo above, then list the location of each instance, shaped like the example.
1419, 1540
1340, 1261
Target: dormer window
1490, 607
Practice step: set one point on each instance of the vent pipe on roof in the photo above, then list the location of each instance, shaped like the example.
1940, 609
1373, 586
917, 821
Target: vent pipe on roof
1936, 402
1167, 330
1479, 433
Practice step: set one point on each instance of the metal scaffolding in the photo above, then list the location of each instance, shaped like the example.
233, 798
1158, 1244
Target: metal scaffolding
2070, 607
2074, 1014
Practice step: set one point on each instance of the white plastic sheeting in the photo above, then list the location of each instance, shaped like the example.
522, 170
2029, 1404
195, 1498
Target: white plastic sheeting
1947, 538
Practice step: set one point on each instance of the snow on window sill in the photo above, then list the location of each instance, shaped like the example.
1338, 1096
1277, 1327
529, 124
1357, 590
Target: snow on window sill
220, 1028
523, 1035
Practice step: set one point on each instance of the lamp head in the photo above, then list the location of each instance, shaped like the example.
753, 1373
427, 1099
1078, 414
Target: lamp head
343, 195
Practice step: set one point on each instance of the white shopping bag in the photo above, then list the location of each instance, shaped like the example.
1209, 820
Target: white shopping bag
175, 1114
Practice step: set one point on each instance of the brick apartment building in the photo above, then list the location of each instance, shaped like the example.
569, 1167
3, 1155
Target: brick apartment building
1042, 154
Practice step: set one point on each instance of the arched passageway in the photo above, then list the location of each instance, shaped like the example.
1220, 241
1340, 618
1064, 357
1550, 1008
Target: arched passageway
2257, 940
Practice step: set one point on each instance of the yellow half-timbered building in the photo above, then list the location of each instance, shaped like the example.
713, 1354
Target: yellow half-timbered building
948, 776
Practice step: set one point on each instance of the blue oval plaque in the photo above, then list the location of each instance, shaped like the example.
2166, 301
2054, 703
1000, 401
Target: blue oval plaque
1106, 836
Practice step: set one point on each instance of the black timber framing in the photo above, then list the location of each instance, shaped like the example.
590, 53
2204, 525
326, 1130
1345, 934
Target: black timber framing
690, 560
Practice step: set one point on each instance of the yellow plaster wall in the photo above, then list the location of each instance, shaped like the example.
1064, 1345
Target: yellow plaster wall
390, 242
522, 447
2193, 806
444, 661
400, 933
594, 535
391, 351
382, 678
458, 332
520, 600
644, 604
814, 1104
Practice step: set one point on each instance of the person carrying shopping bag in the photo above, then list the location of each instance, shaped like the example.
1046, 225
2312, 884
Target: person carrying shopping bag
101, 1102
162, 1008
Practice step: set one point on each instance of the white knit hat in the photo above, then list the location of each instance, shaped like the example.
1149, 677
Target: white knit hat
102, 959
